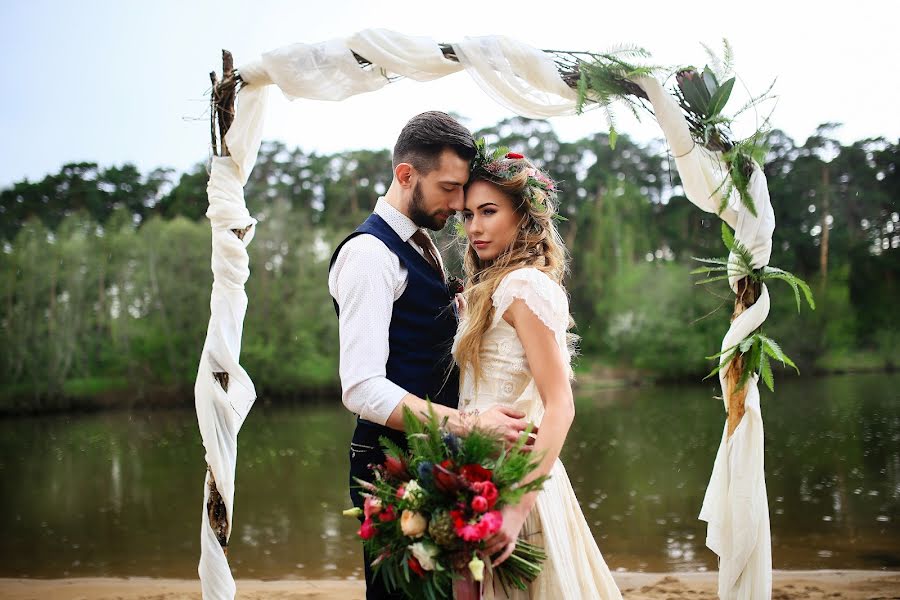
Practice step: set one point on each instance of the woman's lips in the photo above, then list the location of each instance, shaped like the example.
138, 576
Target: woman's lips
479, 244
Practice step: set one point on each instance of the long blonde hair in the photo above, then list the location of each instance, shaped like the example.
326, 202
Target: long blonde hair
537, 244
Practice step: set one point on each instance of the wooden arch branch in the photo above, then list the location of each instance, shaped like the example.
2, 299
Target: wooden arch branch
221, 118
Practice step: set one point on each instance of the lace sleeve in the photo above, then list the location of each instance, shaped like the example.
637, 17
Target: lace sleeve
542, 295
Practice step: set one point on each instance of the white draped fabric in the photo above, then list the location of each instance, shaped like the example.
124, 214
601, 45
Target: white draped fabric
220, 414
735, 506
524, 80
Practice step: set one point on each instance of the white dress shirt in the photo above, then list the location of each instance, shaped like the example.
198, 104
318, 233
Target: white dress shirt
366, 279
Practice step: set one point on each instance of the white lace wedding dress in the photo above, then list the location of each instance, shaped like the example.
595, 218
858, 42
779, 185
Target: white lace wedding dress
575, 569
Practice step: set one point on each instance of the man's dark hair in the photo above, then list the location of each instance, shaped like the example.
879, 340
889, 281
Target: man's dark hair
426, 136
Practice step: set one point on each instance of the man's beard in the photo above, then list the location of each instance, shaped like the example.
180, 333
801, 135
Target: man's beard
419, 216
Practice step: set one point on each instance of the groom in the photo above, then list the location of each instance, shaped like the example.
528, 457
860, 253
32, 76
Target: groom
395, 312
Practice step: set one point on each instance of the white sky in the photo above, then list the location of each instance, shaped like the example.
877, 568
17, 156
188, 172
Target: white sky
125, 81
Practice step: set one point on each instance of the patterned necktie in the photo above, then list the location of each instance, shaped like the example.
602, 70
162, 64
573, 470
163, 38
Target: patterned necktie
424, 242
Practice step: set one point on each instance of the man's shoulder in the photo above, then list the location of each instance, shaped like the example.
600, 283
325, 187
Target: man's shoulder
363, 242
365, 250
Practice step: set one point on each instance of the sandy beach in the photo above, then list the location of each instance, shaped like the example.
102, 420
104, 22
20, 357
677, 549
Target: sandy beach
789, 585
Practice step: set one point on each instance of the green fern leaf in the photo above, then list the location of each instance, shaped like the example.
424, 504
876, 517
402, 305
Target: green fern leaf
712, 261
765, 371
745, 344
727, 236
705, 270
712, 279
806, 292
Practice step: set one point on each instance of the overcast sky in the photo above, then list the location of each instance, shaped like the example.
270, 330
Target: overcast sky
124, 81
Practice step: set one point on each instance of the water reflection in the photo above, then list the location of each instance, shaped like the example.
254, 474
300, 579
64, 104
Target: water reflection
120, 494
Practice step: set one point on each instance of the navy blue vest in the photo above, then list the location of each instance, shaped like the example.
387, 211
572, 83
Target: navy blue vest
423, 324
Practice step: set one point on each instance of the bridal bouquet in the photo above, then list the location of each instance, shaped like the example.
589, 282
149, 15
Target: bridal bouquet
431, 507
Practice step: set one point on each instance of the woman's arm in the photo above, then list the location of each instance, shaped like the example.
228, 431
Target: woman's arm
551, 374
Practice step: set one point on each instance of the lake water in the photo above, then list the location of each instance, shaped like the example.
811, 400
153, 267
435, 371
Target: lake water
120, 494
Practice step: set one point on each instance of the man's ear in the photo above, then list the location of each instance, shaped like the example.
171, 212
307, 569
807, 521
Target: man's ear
404, 173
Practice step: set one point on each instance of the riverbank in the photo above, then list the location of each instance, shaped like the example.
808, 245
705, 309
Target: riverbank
98, 394
788, 585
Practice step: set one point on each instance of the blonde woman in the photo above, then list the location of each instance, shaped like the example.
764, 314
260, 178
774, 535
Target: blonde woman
514, 350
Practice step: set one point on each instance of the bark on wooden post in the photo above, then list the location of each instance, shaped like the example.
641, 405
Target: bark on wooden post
221, 114
747, 293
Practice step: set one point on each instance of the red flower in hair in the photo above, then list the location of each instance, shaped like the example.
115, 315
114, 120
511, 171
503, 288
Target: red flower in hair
514, 155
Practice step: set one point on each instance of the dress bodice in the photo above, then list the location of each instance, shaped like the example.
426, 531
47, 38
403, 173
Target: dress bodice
506, 376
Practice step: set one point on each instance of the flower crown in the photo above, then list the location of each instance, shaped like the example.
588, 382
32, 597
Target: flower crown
501, 164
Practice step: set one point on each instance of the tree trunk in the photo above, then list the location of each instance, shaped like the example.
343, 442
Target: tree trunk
826, 211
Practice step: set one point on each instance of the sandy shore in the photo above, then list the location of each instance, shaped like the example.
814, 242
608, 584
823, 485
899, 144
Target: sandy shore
789, 585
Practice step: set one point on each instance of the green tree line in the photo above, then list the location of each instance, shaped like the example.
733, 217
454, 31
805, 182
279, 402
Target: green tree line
106, 274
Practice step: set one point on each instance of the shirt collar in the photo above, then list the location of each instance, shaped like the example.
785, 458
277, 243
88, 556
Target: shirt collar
396, 220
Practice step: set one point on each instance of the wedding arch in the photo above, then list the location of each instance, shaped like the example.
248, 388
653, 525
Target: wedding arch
718, 175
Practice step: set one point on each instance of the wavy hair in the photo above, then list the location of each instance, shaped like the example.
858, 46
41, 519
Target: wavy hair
537, 244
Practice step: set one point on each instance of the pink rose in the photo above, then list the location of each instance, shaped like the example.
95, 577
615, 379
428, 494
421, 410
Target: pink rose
371, 506
492, 522
472, 533
479, 504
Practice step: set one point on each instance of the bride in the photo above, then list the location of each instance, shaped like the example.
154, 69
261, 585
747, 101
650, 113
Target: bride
514, 349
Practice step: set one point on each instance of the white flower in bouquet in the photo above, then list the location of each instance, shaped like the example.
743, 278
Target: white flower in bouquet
425, 553
413, 493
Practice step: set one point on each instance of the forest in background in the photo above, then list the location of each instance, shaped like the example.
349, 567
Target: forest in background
106, 278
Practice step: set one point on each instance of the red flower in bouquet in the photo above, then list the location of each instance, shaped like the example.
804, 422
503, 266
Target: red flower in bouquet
475, 531
446, 480
388, 514
395, 468
475, 473
416, 566
433, 505
514, 155
367, 529
488, 490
